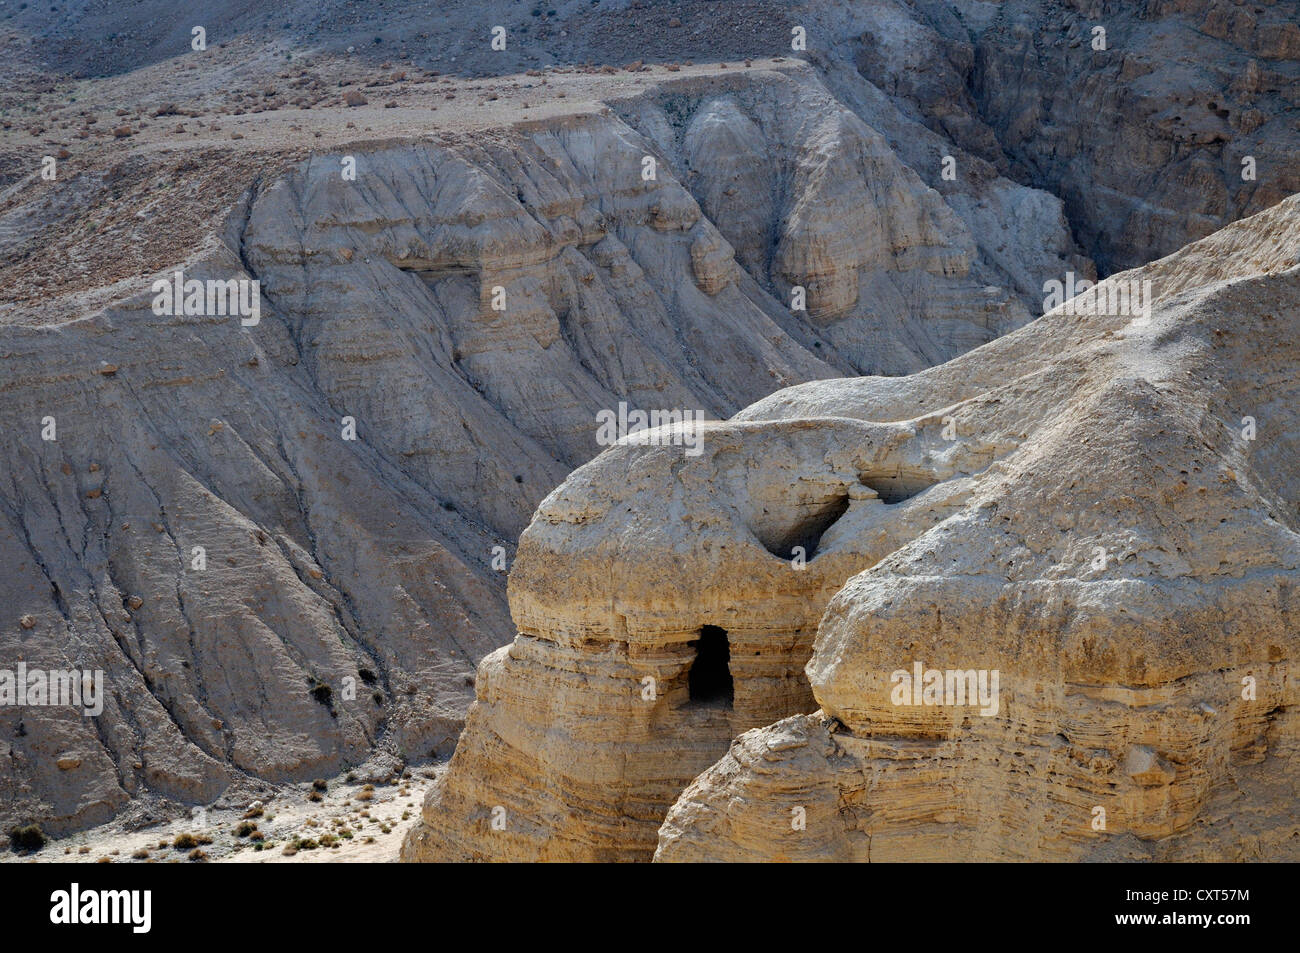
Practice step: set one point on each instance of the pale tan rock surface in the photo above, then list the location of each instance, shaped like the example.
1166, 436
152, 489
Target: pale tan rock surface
607, 593
1123, 688
371, 560
1120, 686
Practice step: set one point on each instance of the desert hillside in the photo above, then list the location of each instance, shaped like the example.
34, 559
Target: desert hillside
282, 528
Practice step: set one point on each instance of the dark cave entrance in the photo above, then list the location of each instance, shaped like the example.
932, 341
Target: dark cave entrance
710, 674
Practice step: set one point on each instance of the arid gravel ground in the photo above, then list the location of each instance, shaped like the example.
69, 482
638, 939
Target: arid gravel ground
353, 821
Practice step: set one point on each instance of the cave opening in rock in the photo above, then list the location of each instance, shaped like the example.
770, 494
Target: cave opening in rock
804, 531
896, 489
710, 674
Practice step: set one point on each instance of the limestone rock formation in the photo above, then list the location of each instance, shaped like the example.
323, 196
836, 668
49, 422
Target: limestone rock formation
1143, 128
1101, 507
891, 273
500, 269
348, 586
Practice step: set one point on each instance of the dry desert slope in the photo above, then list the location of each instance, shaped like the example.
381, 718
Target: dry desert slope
285, 542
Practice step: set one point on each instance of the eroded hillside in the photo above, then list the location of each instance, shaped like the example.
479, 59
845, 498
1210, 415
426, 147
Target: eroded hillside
1095, 516
499, 269
371, 559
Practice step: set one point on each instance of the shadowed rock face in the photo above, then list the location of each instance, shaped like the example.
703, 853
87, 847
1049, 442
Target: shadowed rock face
348, 590
316, 567
370, 560
1166, 167
1142, 132
1076, 505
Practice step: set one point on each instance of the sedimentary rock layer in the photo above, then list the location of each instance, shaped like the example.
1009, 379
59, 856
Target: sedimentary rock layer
1101, 507
375, 559
1129, 570
349, 586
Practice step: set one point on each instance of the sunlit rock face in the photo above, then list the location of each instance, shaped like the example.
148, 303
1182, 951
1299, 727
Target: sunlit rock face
435, 340
1098, 511
1128, 571
505, 266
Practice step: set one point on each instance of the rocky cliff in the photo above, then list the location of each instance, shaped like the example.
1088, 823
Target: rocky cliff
1097, 511
1155, 122
285, 543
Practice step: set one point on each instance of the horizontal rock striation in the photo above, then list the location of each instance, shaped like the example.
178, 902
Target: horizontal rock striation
463, 309
1073, 505
1129, 570
484, 286
589, 723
